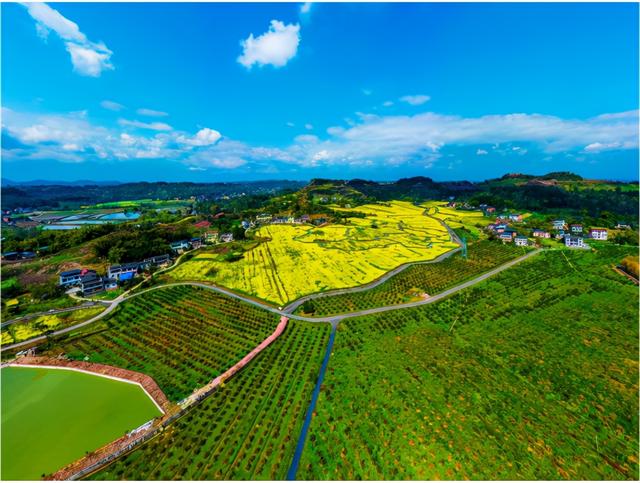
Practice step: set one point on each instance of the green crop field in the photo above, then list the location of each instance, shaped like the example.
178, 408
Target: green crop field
180, 336
416, 280
532, 374
247, 429
51, 417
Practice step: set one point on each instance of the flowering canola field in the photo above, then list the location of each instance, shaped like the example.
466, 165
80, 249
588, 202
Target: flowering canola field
297, 260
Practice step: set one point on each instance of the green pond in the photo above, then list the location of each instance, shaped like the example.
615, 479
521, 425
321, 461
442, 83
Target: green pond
51, 417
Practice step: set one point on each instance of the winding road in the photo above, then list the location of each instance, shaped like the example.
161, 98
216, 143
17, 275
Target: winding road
333, 319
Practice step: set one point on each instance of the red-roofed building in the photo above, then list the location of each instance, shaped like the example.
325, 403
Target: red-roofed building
203, 224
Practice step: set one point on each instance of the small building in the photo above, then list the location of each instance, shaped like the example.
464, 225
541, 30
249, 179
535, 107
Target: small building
623, 226
511, 233
598, 233
245, 224
500, 228
263, 218
203, 224
110, 283
70, 277
91, 283
226, 237
560, 235
180, 246
218, 215
574, 241
541, 234
157, 260
124, 271
558, 224
11, 256
211, 237
27, 255
516, 217
506, 237
576, 228
521, 241
196, 242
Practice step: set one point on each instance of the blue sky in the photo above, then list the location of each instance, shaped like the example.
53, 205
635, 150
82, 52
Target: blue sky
211, 92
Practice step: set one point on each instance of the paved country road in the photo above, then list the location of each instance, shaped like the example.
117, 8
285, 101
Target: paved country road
334, 319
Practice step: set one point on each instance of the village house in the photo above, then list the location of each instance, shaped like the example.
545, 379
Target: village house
515, 217
576, 228
558, 224
180, 246
560, 235
263, 218
202, 224
196, 242
490, 209
110, 283
211, 237
598, 233
541, 234
506, 237
125, 271
245, 224
70, 277
91, 283
226, 237
501, 228
157, 261
623, 226
521, 241
574, 241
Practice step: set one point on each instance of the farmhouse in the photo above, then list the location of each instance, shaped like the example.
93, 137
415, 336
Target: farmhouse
506, 237
623, 226
521, 241
515, 217
263, 218
69, 277
598, 233
541, 234
126, 271
574, 241
558, 224
110, 283
576, 228
211, 237
158, 260
180, 246
226, 237
196, 242
202, 224
500, 228
91, 283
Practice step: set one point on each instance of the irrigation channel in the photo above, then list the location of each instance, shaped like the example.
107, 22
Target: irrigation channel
107, 454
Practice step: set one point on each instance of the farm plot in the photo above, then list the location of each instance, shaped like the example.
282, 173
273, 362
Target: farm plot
469, 221
21, 331
247, 429
297, 260
418, 281
180, 336
531, 375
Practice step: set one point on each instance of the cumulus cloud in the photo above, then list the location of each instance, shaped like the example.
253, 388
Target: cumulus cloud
88, 58
111, 105
305, 8
415, 100
154, 126
275, 47
481, 152
204, 137
150, 112
308, 126
387, 103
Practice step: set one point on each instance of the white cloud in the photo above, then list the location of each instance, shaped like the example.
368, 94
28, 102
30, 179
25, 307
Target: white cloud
481, 152
290, 124
415, 100
387, 103
112, 106
150, 112
275, 47
154, 126
88, 58
204, 137
599, 147
306, 139
308, 126
305, 8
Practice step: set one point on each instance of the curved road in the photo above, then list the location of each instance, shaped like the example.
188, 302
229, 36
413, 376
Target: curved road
334, 319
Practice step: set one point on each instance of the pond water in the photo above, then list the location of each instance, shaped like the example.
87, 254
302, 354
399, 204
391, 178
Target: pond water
51, 417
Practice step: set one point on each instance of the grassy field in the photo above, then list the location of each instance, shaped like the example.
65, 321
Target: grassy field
247, 429
416, 281
180, 336
530, 375
21, 331
52, 417
298, 259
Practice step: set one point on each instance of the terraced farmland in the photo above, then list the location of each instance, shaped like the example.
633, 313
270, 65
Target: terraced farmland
180, 336
245, 430
297, 260
417, 280
530, 375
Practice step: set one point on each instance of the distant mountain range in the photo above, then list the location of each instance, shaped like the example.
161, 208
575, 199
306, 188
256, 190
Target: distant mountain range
44, 182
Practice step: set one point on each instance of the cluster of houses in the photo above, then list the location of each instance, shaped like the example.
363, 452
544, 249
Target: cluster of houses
573, 235
266, 219
91, 283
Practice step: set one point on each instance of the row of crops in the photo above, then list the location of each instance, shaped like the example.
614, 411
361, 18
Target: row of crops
181, 336
429, 278
529, 375
247, 429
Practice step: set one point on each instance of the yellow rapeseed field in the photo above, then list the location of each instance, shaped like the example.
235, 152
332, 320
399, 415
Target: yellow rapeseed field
301, 259
471, 220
